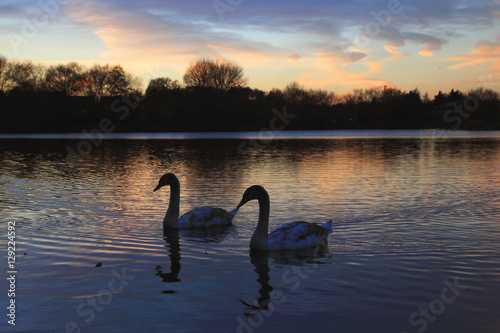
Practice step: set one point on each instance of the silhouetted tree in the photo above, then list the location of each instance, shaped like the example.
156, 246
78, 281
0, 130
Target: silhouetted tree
106, 80
440, 98
71, 97
162, 84
452, 96
410, 104
391, 95
426, 98
319, 97
26, 76
357, 96
4, 80
294, 93
67, 79
256, 94
455, 96
484, 94
219, 74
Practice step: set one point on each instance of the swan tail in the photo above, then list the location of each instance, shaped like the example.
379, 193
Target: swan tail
328, 225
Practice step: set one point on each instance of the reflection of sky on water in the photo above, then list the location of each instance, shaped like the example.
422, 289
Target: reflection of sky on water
408, 213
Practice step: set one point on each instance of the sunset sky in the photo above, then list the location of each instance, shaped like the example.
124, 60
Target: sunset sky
332, 45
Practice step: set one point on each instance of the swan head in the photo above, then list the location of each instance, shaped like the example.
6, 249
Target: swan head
252, 193
166, 179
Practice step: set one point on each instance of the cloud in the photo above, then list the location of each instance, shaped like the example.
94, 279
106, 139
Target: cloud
432, 43
350, 57
432, 25
325, 43
191, 27
396, 39
485, 53
158, 36
393, 49
340, 54
337, 72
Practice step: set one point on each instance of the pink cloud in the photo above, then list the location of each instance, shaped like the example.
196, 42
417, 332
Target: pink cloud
338, 73
428, 51
484, 53
142, 37
393, 49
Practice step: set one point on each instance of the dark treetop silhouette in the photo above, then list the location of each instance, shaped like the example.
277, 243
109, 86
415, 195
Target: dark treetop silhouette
73, 98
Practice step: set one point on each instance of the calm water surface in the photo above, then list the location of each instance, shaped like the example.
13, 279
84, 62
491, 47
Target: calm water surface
415, 246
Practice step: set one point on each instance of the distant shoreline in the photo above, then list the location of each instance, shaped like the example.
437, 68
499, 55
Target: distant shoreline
262, 135
238, 110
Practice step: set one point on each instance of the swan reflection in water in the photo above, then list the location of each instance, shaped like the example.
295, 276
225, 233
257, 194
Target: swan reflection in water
300, 265
172, 238
174, 249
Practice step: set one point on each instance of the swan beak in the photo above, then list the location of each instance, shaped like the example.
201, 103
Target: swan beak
157, 187
243, 201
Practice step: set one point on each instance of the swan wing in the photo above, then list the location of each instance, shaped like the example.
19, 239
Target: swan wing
298, 235
203, 217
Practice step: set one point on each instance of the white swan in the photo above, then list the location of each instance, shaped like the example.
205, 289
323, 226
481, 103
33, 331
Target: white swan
200, 217
293, 235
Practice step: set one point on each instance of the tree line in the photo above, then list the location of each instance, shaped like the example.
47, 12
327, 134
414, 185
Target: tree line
214, 96
71, 79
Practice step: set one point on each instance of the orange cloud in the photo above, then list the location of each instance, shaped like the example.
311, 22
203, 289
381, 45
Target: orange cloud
426, 52
339, 73
393, 49
484, 53
164, 40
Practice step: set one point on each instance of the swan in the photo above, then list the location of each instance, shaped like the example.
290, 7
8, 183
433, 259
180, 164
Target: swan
290, 236
199, 217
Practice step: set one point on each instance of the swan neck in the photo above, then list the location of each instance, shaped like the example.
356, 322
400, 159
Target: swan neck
264, 210
259, 241
172, 215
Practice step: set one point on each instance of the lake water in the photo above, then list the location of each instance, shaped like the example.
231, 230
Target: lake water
415, 246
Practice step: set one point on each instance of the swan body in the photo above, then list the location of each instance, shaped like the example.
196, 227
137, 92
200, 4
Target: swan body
299, 235
199, 217
202, 217
290, 236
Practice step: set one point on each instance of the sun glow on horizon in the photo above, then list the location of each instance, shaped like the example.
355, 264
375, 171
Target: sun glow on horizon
322, 47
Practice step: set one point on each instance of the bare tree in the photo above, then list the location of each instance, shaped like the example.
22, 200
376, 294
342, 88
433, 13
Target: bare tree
4, 74
294, 93
106, 80
162, 84
368, 95
95, 81
65, 78
26, 76
219, 74
320, 97
484, 94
